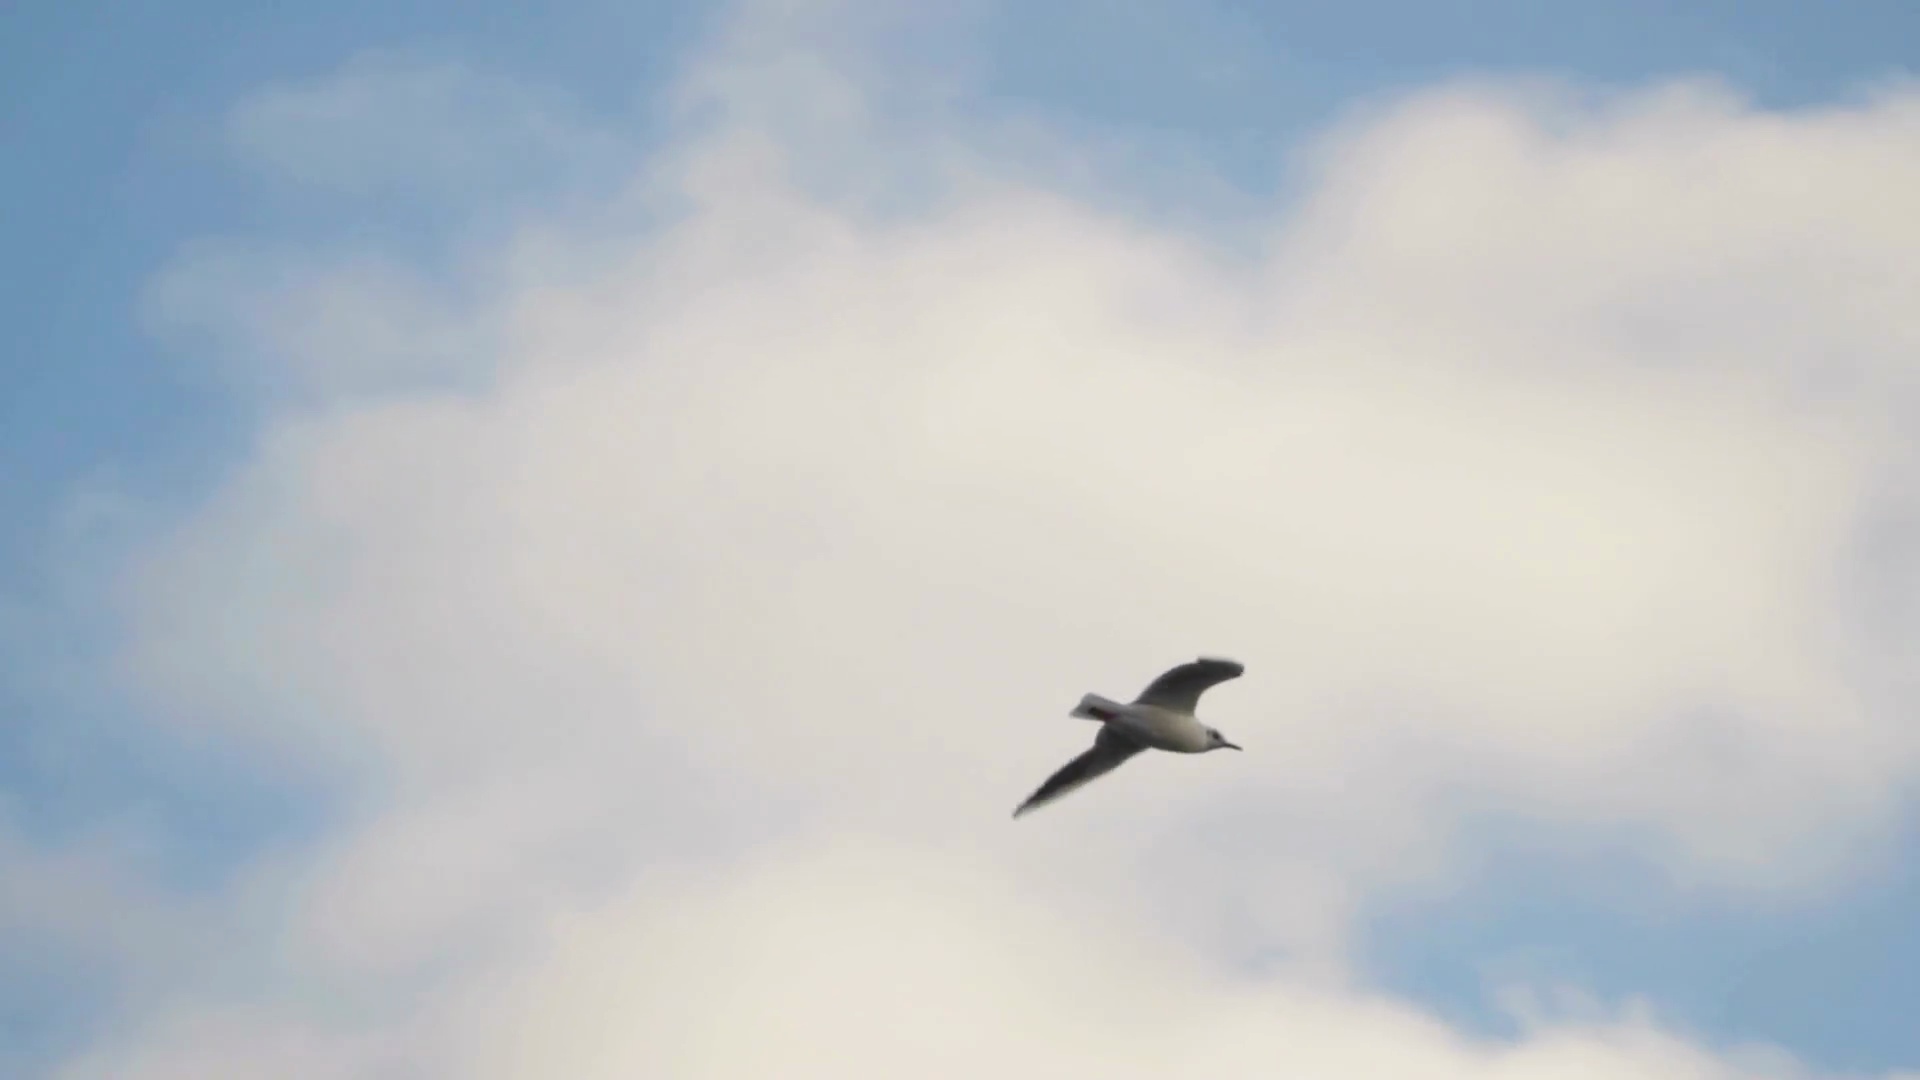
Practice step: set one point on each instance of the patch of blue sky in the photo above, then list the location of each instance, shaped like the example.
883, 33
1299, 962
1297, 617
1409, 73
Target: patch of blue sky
1832, 977
1238, 87
112, 123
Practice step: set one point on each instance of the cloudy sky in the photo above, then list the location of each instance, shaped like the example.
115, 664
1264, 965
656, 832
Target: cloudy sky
549, 545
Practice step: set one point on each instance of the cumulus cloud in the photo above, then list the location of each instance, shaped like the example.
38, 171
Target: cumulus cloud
684, 657
301, 326
394, 123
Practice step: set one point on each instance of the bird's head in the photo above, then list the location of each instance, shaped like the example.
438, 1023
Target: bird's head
1217, 741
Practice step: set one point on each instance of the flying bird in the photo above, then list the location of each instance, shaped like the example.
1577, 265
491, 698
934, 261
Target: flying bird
1161, 718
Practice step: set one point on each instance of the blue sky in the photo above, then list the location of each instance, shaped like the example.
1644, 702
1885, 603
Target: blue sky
110, 116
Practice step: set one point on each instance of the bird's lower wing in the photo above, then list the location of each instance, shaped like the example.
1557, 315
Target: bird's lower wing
1109, 750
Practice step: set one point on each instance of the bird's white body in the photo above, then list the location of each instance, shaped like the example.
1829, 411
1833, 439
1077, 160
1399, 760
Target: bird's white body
1152, 726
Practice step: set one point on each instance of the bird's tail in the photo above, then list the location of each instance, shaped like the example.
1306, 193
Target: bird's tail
1095, 707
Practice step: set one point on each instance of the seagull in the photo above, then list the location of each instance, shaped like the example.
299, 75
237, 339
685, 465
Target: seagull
1161, 718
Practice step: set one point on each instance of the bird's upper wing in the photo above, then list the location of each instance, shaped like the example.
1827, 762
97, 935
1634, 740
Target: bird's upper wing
1180, 688
1110, 749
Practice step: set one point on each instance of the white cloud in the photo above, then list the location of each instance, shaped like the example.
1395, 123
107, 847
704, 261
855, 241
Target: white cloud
967, 976
397, 123
289, 324
679, 660
868, 959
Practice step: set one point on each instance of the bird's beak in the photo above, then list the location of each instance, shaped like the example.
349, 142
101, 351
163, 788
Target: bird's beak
1228, 745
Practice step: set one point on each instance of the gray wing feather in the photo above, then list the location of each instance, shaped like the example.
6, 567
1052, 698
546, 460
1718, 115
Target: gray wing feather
1110, 749
1180, 688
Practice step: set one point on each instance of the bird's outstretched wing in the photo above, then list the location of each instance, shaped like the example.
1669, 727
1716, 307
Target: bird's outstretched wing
1180, 688
1110, 749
